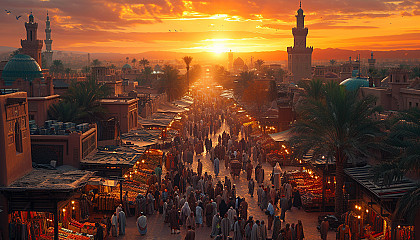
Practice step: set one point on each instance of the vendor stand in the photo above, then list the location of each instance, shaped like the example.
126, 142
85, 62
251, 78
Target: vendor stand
37, 203
371, 205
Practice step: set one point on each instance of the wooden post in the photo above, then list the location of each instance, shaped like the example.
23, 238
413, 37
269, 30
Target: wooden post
55, 220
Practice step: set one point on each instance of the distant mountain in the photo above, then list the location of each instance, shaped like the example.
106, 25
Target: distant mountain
270, 56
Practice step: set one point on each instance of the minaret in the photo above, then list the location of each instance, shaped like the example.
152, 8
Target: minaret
300, 56
371, 61
31, 45
48, 41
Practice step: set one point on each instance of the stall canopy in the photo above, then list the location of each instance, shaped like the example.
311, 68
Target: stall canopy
157, 120
141, 137
282, 136
183, 102
364, 176
227, 94
167, 107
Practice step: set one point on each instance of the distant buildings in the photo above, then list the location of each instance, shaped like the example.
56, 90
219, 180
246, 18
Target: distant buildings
32, 46
300, 56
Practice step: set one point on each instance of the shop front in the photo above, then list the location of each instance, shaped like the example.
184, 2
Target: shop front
371, 206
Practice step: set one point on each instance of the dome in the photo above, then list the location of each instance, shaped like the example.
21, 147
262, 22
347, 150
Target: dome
21, 66
353, 84
331, 75
239, 62
127, 66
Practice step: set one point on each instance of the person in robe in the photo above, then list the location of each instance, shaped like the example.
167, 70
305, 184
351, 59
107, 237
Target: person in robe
251, 185
174, 220
325, 226
299, 231
270, 210
249, 168
142, 224
223, 208
259, 194
216, 167
190, 222
209, 213
114, 227
248, 228
277, 176
243, 209
297, 199
288, 232
215, 226
255, 233
122, 222
263, 230
237, 229
225, 226
185, 212
276, 228
199, 215
99, 232
150, 204
125, 204
284, 207
199, 167
231, 216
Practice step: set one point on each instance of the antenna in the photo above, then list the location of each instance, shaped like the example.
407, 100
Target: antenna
300, 4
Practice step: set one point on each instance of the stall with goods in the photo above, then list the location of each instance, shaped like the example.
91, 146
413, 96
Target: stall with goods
372, 204
310, 187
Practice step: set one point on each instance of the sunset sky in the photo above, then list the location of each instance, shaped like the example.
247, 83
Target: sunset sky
134, 26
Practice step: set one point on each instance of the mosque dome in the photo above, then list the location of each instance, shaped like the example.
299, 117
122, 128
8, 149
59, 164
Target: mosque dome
239, 62
21, 66
127, 66
300, 11
353, 84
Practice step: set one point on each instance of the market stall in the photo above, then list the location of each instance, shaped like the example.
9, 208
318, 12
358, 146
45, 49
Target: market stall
40, 204
373, 204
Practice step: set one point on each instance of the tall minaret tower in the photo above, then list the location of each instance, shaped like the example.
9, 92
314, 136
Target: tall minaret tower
48, 52
31, 45
300, 56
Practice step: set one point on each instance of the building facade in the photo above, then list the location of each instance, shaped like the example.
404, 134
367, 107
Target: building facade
300, 56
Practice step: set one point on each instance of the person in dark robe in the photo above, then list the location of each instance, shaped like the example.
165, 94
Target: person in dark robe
243, 209
297, 199
209, 213
251, 185
249, 168
223, 208
276, 228
99, 232
174, 220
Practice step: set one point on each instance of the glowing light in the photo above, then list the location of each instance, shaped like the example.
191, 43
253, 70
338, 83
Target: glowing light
367, 210
64, 210
356, 207
358, 217
142, 161
72, 202
73, 208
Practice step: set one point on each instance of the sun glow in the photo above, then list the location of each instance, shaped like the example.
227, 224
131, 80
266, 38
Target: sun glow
218, 48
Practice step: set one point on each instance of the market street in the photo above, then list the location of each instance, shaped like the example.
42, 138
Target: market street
157, 229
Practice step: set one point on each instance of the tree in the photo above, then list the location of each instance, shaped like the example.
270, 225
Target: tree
81, 103
144, 62
133, 61
57, 67
403, 146
195, 72
67, 70
187, 61
333, 62
85, 69
245, 78
172, 83
147, 73
338, 125
256, 94
96, 63
258, 64
14, 53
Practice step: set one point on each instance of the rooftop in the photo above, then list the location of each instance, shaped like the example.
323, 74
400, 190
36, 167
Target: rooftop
62, 178
115, 157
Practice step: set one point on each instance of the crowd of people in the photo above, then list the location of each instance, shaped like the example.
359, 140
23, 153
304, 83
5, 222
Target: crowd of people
189, 198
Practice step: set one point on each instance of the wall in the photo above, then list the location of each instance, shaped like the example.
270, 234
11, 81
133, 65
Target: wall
38, 108
65, 149
124, 110
15, 162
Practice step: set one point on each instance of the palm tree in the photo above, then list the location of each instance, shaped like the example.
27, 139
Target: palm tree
147, 72
85, 98
333, 62
337, 125
133, 61
259, 63
57, 66
171, 83
245, 78
144, 62
187, 61
96, 62
64, 111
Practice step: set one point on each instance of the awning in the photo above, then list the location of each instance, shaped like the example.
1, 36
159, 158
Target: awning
364, 177
282, 136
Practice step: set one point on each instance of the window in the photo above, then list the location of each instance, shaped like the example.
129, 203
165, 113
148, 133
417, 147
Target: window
409, 104
18, 138
417, 104
31, 117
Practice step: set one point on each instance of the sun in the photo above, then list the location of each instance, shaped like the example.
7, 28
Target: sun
218, 48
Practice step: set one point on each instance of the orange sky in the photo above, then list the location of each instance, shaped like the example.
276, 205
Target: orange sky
134, 26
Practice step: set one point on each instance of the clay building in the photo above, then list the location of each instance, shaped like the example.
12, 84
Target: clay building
124, 110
